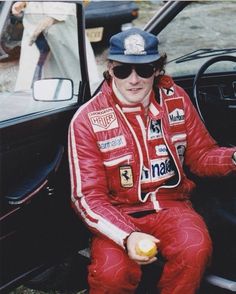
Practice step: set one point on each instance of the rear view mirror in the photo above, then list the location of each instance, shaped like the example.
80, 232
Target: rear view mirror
53, 90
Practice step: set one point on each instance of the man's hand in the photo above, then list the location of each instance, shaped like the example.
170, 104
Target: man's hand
44, 24
132, 243
18, 7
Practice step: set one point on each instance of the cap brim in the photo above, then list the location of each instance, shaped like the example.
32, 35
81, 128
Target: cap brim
134, 58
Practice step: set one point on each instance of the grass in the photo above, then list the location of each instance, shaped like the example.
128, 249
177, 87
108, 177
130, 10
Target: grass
24, 290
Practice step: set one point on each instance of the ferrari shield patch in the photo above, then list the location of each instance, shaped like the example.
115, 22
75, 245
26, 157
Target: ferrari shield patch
126, 176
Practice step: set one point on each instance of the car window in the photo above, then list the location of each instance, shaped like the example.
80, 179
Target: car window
39, 42
38, 54
199, 32
24, 58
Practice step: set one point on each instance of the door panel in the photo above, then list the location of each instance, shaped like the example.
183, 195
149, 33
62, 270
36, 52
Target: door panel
38, 226
35, 196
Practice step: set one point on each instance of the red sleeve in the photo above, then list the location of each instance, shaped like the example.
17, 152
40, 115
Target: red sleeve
203, 156
90, 195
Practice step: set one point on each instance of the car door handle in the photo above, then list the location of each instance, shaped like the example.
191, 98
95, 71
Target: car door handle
37, 180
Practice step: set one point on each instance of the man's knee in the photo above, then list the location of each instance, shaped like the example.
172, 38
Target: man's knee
190, 245
117, 277
198, 249
111, 267
196, 255
185, 267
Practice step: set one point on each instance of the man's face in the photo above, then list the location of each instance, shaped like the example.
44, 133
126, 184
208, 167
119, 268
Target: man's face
133, 88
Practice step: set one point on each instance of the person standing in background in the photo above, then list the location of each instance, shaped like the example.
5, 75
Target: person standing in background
50, 28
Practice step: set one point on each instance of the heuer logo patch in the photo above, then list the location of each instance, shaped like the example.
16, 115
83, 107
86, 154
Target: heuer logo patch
103, 120
175, 110
126, 176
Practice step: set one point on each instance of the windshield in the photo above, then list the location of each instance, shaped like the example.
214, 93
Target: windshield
199, 32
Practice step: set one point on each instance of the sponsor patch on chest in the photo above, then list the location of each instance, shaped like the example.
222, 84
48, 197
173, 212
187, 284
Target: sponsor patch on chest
181, 147
111, 144
161, 168
103, 120
154, 131
126, 176
169, 91
175, 109
161, 150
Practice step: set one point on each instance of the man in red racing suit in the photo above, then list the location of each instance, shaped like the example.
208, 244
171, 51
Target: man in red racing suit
127, 149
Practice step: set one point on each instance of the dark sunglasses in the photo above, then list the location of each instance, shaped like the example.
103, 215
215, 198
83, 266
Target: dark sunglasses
124, 70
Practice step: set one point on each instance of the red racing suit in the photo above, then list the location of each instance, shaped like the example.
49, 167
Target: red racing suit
124, 161
103, 145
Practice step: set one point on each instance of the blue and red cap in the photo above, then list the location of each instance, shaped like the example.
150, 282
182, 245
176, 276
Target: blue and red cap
134, 46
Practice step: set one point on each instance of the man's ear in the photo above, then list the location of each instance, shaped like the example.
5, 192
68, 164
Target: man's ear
109, 67
156, 73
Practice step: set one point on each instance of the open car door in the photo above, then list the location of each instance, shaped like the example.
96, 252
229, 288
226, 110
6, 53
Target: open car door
38, 227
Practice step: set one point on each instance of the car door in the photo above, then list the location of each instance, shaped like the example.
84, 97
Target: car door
38, 227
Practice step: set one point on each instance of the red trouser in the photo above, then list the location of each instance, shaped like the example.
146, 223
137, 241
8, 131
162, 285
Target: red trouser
185, 244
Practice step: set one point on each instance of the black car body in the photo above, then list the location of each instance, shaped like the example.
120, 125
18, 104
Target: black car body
43, 242
108, 17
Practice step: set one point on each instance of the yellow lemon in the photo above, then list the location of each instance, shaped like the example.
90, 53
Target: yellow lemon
146, 247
